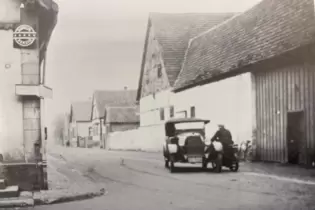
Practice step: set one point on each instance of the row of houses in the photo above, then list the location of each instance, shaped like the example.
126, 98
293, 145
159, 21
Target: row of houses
93, 120
253, 72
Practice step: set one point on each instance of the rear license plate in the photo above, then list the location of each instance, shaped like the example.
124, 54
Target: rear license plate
195, 159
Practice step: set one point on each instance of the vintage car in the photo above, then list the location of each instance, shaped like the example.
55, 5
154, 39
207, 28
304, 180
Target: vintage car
184, 142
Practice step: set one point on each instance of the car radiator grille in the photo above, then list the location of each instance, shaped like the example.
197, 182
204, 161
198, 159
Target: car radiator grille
194, 145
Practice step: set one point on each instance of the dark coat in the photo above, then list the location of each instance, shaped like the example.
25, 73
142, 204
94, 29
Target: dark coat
223, 135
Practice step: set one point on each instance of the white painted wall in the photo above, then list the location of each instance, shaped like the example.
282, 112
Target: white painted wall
150, 108
228, 102
11, 115
144, 139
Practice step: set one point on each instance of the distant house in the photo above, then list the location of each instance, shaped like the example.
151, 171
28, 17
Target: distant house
80, 121
119, 119
165, 45
102, 101
256, 74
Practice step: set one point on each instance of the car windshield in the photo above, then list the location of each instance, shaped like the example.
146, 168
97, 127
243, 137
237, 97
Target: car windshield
189, 125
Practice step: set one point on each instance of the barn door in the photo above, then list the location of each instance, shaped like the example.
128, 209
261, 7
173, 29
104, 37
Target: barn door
295, 135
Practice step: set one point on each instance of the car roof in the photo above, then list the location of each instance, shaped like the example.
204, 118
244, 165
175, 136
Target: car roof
181, 120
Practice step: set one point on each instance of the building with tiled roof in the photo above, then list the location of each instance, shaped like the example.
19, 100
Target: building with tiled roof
166, 42
255, 35
119, 119
104, 104
255, 73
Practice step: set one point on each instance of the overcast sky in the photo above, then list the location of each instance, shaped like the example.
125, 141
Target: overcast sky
98, 44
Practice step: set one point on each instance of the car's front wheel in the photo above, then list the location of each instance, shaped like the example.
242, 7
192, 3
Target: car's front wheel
172, 166
166, 161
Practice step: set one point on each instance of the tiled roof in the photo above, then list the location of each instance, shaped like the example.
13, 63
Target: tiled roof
270, 28
173, 32
114, 98
122, 115
81, 111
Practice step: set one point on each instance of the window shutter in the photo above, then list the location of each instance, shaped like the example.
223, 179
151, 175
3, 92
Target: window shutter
162, 117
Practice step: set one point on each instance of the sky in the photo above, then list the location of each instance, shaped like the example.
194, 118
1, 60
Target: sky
98, 44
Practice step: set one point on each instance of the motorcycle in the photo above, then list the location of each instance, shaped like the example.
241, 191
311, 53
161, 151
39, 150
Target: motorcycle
222, 156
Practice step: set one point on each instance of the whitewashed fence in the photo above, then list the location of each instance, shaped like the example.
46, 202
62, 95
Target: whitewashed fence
142, 139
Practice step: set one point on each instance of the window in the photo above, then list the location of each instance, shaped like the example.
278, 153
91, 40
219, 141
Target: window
192, 112
171, 111
162, 117
159, 70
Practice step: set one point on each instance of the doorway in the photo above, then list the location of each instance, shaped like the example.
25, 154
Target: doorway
295, 135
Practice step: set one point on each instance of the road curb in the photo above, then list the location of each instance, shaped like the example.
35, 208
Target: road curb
16, 202
68, 198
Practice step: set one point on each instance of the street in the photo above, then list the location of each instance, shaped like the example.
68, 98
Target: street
137, 180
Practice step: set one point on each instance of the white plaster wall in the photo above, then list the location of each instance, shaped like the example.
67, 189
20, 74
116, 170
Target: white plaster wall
10, 11
83, 128
11, 115
145, 139
150, 108
227, 101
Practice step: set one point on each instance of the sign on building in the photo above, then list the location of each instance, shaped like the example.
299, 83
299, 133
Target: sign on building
24, 36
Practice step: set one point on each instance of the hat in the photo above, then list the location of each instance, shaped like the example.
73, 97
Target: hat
220, 125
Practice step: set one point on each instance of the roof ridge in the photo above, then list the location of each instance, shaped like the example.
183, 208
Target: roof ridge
215, 27
237, 14
199, 35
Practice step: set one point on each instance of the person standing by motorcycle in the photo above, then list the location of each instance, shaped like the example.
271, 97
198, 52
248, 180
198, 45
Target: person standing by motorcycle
224, 136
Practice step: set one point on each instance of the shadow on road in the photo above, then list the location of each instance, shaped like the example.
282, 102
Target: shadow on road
183, 169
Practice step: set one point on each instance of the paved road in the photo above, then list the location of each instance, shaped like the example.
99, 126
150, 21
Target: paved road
140, 182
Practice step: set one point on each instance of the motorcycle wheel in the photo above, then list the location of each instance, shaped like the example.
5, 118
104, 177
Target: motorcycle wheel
217, 164
204, 165
234, 167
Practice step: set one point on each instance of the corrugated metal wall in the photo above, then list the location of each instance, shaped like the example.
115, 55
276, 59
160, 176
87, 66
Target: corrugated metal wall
278, 92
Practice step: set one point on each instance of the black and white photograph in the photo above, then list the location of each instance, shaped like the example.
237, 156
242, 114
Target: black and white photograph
157, 104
